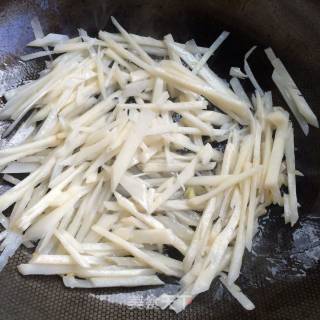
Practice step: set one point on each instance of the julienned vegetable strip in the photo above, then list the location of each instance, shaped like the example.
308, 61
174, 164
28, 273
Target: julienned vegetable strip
119, 147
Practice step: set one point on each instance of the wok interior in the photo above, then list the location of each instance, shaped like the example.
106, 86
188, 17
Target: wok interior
281, 276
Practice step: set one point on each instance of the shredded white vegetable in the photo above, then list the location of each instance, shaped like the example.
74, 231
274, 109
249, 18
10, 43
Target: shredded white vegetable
290, 91
215, 45
237, 73
124, 151
249, 73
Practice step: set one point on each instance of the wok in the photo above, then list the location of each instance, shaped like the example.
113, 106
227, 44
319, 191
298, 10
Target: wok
281, 275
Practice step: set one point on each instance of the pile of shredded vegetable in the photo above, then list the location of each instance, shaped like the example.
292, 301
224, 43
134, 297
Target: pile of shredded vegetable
133, 145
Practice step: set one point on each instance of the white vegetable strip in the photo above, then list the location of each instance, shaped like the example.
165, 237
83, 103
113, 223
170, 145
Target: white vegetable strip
204, 128
105, 221
213, 180
292, 89
10, 244
214, 117
101, 77
128, 150
21, 167
144, 41
170, 262
288, 99
290, 161
237, 293
280, 120
254, 186
130, 207
71, 250
64, 259
133, 250
26, 104
89, 217
40, 144
110, 53
239, 246
249, 73
215, 45
239, 91
205, 73
36, 55
137, 189
30, 214
31, 181
168, 39
132, 42
182, 231
45, 226
126, 281
38, 32
157, 236
181, 179
50, 39
10, 179
71, 282
196, 244
113, 271
225, 185
99, 247
237, 73
178, 106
